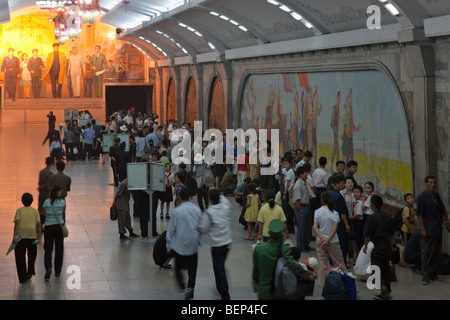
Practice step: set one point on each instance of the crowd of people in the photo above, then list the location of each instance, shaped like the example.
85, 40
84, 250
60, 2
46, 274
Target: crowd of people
25, 73
345, 215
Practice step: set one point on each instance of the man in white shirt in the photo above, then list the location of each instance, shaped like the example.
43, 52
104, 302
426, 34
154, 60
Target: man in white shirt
302, 210
128, 120
289, 180
76, 69
306, 158
170, 127
183, 238
320, 180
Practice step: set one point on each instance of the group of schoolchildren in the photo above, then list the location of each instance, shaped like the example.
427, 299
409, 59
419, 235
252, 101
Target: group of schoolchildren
351, 201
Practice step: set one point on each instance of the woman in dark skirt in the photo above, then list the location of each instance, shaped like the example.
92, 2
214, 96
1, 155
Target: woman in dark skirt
167, 196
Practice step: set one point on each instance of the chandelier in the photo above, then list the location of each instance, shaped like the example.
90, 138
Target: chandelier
89, 9
60, 26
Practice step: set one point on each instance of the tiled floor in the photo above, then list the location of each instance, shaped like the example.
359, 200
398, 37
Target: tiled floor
113, 269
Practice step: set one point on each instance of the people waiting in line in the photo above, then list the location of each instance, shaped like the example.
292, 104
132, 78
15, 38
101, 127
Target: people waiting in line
332, 204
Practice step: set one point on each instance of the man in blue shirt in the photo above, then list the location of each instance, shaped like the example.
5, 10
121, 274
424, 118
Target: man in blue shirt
152, 136
241, 190
340, 206
89, 137
183, 238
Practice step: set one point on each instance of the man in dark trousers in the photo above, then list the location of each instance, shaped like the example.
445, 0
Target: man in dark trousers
62, 180
112, 154
44, 184
56, 65
379, 231
35, 66
11, 69
51, 120
343, 226
122, 157
431, 212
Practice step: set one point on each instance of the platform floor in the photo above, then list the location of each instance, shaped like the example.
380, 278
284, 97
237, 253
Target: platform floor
123, 270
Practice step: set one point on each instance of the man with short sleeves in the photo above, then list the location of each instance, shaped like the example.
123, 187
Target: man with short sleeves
302, 210
152, 137
431, 212
320, 178
44, 184
289, 181
62, 180
89, 136
341, 207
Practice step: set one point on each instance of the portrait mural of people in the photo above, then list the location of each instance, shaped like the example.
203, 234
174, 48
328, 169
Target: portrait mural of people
354, 115
37, 42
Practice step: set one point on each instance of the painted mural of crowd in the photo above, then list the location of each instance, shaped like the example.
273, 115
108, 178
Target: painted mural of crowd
304, 120
24, 74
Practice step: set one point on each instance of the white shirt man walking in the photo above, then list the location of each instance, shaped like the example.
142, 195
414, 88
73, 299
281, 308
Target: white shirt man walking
183, 238
217, 223
76, 69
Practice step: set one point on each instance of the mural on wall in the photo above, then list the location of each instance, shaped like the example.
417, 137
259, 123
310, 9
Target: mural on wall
340, 115
217, 111
35, 31
191, 113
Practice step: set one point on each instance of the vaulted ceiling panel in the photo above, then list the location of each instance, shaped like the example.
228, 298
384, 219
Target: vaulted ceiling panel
342, 15
230, 34
271, 22
172, 27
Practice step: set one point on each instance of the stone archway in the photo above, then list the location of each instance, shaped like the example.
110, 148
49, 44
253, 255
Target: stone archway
217, 110
171, 101
191, 111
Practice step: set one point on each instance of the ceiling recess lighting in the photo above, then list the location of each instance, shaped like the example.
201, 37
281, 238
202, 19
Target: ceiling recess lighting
171, 39
285, 8
296, 16
190, 29
392, 9
243, 28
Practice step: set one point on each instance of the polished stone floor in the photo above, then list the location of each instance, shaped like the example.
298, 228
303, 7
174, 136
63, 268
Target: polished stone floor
112, 269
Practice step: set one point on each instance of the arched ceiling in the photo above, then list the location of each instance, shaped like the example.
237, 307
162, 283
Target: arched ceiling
189, 31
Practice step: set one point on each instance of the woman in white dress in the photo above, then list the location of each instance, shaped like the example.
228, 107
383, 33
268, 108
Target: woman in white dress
25, 76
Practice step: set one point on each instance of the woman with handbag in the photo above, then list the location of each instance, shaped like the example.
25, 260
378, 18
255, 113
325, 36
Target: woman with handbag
53, 209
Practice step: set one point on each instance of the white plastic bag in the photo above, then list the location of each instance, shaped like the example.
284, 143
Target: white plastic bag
363, 262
